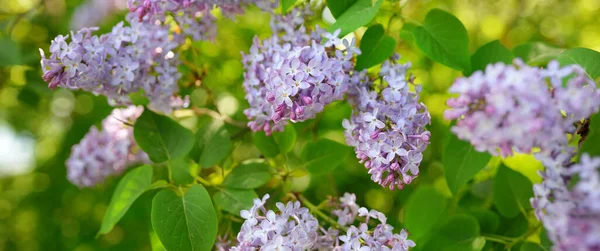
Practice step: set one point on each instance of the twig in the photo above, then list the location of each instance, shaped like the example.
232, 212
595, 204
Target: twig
319, 213
216, 115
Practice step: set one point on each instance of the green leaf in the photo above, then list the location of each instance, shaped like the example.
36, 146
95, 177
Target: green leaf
130, 187
591, 143
375, 46
545, 240
234, 200
460, 232
488, 220
139, 98
337, 7
422, 215
185, 223
586, 58
286, 139
324, 155
286, 4
161, 137
530, 246
247, 176
490, 53
10, 53
443, 38
217, 146
512, 191
265, 144
360, 13
461, 162
536, 53
180, 170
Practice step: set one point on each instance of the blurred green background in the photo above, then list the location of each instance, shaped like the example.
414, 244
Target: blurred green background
41, 210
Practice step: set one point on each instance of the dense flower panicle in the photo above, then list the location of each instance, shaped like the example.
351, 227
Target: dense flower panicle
387, 128
292, 75
518, 107
126, 60
106, 152
93, 12
569, 212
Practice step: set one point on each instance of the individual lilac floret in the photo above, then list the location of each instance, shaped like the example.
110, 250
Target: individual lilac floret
292, 76
292, 228
518, 107
569, 212
106, 152
127, 60
387, 128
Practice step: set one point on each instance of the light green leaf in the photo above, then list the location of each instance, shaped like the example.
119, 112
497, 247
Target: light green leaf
443, 38
247, 176
461, 162
234, 200
530, 246
490, 53
265, 144
10, 54
422, 215
536, 53
337, 7
180, 170
586, 58
512, 191
324, 155
161, 137
185, 223
217, 146
360, 13
286, 139
375, 46
286, 4
130, 187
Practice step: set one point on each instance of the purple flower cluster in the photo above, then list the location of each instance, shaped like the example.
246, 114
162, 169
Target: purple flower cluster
93, 12
518, 107
387, 128
292, 75
292, 228
569, 212
129, 59
106, 152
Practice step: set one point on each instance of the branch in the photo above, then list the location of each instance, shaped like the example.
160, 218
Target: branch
216, 115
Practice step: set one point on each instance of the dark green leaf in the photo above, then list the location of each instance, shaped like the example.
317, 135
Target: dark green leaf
9, 52
545, 240
360, 13
248, 175
375, 47
460, 232
422, 215
324, 155
286, 4
490, 53
586, 58
217, 146
530, 246
130, 187
591, 143
161, 137
185, 223
286, 139
337, 7
488, 220
536, 53
512, 191
265, 144
180, 170
443, 38
461, 162
234, 200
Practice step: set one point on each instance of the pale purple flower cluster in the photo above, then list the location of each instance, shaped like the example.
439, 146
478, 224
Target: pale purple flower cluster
292, 228
129, 59
518, 107
387, 128
106, 152
292, 75
567, 202
93, 12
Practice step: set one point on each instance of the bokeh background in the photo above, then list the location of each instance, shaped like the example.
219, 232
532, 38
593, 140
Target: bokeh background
41, 210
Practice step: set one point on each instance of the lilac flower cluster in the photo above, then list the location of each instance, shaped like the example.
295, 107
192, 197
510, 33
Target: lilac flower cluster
129, 59
293, 74
106, 152
294, 228
387, 128
569, 212
518, 107
93, 12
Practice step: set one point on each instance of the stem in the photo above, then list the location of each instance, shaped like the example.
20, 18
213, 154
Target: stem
203, 181
216, 115
494, 239
315, 209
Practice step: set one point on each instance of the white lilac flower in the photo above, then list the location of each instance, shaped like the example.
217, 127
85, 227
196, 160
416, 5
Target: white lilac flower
519, 107
106, 152
387, 127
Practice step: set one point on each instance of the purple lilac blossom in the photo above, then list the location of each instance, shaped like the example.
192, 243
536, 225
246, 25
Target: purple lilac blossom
93, 12
387, 127
293, 74
106, 152
126, 60
519, 107
569, 212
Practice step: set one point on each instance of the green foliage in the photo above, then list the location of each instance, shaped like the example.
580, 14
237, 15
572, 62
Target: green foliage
530, 246
588, 59
286, 4
324, 155
180, 171
359, 13
187, 222
512, 191
286, 139
216, 146
234, 200
590, 144
248, 176
489, 53
161, 137
460, 232
10, 53
130, 187
443, 38
488, 220
422, 215
461, 162
375, 47
337, 7
265, 144
537, 53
